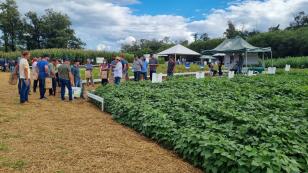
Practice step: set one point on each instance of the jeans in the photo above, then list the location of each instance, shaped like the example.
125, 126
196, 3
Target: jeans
24, 91
151, 74
77, 82
117, 80
42, 88
52, 91
66, 83
145, 75
137, 75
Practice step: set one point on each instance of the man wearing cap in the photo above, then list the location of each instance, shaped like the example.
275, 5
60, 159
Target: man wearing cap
42, 68
65, 77
118, 71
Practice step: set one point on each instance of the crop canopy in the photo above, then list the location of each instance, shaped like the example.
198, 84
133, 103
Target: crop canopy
236, 44
178, 50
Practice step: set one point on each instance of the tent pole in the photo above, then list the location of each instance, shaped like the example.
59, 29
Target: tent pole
175, 57
246, 59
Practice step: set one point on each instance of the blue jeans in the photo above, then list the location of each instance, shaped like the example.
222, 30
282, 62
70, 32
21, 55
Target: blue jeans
145, 75
77, 82
117, 80
66, 83
42, 87
24, 91
137, 75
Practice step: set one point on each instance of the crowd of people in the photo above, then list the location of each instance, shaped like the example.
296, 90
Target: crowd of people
49, 74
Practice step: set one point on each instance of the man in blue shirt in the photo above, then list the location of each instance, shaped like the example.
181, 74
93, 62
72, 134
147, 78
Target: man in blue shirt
144, 69
42, 68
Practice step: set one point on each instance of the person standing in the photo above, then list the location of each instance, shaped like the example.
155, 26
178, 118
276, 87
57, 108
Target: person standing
137, 67
118, 71
65, 77
144, 70
34, 74
153, 63
76, 73
125, 67
42, 68
57, 74
104, 69
24, 75
89, 72
52, 74
171, 67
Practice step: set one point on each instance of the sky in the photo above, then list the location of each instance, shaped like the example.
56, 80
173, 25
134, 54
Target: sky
107, 24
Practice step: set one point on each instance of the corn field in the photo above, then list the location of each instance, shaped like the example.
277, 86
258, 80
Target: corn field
295, 62
72, 54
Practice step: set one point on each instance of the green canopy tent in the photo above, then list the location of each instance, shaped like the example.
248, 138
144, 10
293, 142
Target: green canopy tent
239, 45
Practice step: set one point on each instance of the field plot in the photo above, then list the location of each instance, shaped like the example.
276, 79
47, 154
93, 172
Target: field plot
247, 124
60, 137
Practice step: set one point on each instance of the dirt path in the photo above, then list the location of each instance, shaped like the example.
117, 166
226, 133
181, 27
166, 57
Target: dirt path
54, 136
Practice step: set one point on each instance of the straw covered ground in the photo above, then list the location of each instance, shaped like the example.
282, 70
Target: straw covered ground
54, 136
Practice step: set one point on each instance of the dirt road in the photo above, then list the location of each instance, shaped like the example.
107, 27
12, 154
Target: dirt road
54, 136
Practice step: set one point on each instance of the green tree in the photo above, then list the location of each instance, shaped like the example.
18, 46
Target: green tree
33, 31
300, 20
231, 31
57, 32
10, 24
204, 37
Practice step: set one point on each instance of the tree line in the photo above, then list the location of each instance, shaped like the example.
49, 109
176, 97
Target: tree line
291, 41
32, 31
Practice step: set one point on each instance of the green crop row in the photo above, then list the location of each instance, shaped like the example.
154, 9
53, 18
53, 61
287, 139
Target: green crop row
295, 62
246, 124
73, 54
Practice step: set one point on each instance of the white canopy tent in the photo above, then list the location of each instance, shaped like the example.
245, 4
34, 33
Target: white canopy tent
179, 50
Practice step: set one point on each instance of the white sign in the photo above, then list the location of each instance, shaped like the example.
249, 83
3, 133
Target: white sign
271, 70
200, 75
76, 92
157, 78
231, 74
288, 67
100, 60
250, 73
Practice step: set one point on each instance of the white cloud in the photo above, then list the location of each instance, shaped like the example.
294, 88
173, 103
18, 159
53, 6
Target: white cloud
250, 15
110, 22
103, 47
130, 40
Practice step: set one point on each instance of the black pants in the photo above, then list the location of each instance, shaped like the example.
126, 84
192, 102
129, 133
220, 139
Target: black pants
52, 91
35, 82
42, 88
151, 74
104, 82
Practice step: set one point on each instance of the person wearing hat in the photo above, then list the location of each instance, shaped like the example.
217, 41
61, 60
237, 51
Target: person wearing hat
76, 73
65, 76
104, 69
89, 74
42, 68
118, 71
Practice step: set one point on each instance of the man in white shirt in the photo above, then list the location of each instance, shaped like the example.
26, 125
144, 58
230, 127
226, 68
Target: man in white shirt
34, 74
118, 71
24, 76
